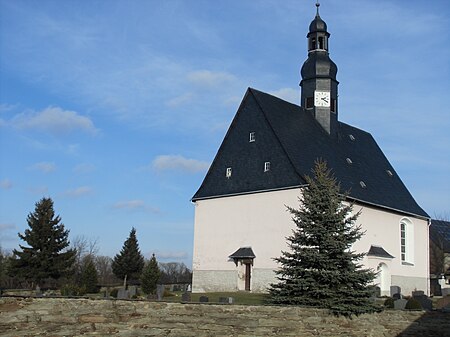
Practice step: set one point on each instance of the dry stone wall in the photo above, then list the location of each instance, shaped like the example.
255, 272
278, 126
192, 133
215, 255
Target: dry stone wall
83, 317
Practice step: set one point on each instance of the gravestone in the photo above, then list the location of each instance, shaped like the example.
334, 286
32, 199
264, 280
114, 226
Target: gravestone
417, 293
186, 297
106, 294
397, 296
38, 291
223, 300
400, 304
395, 290
132, 291
189, 288
160, 291
445, 292
377, 292
424, 301
204, 299
123, 294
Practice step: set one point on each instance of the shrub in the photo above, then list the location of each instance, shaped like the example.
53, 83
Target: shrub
72, 290
389, 303
114, 293
413, 304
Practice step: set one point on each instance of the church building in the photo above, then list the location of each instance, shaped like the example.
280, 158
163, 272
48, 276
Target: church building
241, 219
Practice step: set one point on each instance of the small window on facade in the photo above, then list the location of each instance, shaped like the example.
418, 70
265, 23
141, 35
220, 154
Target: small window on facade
407, 241
351, 137
389, 172
309, 102
363, 184
267, 166
228, 173
349, 161
403, 241
252, 137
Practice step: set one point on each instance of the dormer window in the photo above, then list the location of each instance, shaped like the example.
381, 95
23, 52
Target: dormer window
349, 161
267, 166
252, 137
363, 184
351, 137
389, 172
228, 172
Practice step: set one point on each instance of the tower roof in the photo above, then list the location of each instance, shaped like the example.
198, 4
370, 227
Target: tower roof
317, 25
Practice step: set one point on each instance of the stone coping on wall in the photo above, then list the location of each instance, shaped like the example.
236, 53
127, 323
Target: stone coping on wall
85, 317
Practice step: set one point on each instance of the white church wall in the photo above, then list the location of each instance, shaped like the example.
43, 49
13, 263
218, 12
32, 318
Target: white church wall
261, 221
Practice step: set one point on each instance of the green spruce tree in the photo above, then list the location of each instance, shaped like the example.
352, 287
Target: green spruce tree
129, 262
150, 276
47, 254
89, 276
320, 269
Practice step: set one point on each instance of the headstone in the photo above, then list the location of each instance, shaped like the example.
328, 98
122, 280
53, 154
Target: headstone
132, 290
424, 301
38, 291
107, 294
230, 300
204, 299
397, 296
223, 300
186, 297
160, 291
445, 292
417, 293
189, 288
400, 304
395, 290
123, 294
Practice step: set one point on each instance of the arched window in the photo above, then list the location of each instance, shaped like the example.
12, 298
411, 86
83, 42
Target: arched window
406, 241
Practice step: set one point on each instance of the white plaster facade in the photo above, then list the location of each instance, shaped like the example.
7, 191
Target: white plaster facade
262, 222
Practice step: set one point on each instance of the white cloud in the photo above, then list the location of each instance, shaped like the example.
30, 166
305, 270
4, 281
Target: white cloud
135, 205
206, 78
6, 184
180, 100
83, 168
171, 255
79, 191
44, 167
179, 163
6, 226
39, 190
54, 120
288, 94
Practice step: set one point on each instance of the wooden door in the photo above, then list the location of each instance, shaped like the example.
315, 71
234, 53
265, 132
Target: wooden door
248, 270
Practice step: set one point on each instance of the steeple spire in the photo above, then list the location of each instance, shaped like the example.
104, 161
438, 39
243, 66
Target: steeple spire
319, 84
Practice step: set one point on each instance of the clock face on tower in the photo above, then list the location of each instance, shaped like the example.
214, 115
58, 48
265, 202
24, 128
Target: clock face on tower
322, 98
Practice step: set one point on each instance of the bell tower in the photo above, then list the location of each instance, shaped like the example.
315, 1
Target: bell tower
319, 87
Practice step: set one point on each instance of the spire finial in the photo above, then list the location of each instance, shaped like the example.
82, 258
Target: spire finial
317, 5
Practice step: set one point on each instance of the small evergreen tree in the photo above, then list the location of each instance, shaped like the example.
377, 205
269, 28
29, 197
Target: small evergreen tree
129, 262
89, 276
320, 269
48, 255
150, 276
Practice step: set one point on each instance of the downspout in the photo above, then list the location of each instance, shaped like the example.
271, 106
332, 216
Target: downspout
428, 258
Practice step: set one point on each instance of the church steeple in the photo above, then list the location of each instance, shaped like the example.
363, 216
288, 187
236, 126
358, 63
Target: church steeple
319, 84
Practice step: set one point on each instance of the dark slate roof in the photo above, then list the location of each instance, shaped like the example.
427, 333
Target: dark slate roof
440, 234
291, 139
243, 253
379, 251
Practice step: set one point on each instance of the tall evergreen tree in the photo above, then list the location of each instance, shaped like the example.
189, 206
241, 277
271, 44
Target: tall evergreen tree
150, 276
89, 275
47, 254
129, 262
320, 269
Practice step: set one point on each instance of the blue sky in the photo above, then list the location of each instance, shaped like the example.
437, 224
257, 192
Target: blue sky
115, 109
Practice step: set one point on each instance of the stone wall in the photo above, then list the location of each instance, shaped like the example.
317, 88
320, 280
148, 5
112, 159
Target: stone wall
76, 317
